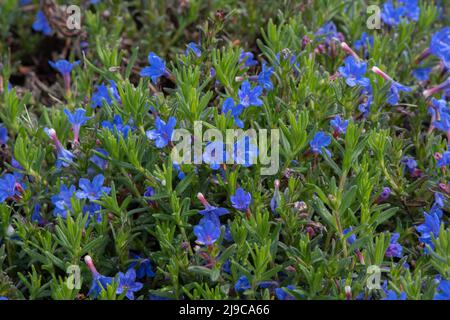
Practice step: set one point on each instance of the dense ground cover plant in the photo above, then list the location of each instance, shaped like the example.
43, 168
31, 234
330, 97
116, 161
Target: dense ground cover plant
87, 122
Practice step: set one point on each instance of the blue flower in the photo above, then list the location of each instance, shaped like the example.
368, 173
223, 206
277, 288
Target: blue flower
283, 295
319, 141
394, 249
63, 156
163, 132
242, 284
211, 212
328, 31
440, 45
149, 192
247, 58
276, 198
439, 200
36, 216
364, 41
156, 68
177, 168
241, 199
99, 281
443, 290
215, 154
411, 9
98, 161
391, 15
93, 212
207, 232
245, 152
385, 193
144, 267
421, 74
352, 238
105, 94
353, 71
40, 24
117, 126
7, 187
339, 126
264, 77
92, 190
194, 48
364, 107
77, 119
229, 109
127, 283
430, 228
394, 91
392, 295
3, 135
63, 201
63, 66
248, 96
444, 160
410, 163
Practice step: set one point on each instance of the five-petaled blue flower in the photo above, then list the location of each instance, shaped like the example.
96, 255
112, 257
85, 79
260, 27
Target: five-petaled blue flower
440, 45
105, 94
99, 281
353, 71
242, 284
319, 141
127, 283
328, 31
63, 66
77, 119
248, 96
230, 109
7, 187
41, 24
207, 232
156, 68
430, 227
213, 213
444, 160
215, 154
394, 91
394, 249
390, 14
421, 74
163, 132
364, 41
241, 199
194, 48
264, 77
339, 126
117, 126
247, 58
144, 267
443, 290
63, 201
92, 190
